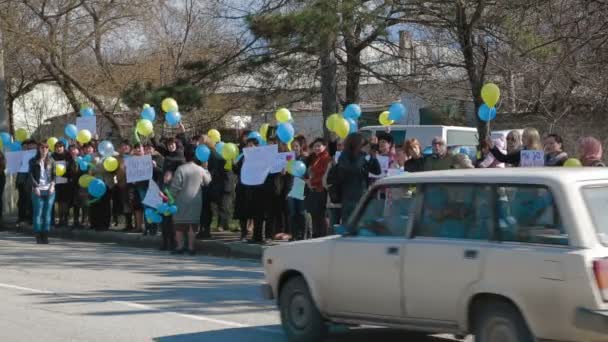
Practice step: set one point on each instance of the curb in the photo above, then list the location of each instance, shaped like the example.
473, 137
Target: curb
236, 250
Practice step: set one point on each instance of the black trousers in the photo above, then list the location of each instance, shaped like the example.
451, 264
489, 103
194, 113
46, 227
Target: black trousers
317, 204
24, 203
258, 226
168, 235
100, 212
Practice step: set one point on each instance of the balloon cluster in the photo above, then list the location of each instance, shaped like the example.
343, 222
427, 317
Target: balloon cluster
490, 94
296, 168
395, 112
172, 115
344, 124
167, 208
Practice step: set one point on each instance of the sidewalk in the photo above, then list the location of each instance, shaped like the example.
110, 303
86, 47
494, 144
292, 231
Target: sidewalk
222, 244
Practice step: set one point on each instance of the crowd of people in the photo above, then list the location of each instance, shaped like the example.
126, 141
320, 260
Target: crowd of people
338, 174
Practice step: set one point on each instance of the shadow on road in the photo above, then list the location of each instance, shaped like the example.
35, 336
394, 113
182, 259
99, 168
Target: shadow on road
254, 334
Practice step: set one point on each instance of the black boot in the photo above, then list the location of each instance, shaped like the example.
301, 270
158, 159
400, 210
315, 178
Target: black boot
45, 238
38, 238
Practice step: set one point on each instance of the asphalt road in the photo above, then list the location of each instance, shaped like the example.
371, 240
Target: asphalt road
74, 291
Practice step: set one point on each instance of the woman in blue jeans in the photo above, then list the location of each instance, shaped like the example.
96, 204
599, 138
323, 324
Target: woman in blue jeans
42, 178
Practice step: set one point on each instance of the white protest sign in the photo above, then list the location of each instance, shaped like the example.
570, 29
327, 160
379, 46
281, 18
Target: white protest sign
257, 164
532, 158
394, 172
153, 198
25, 160
87, 122
384, 162
138, 168
13, 161
297, 190
281, 161
59, 179
337, 156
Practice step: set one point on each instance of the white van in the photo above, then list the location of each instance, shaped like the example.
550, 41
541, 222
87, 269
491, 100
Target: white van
453, 135
503, 133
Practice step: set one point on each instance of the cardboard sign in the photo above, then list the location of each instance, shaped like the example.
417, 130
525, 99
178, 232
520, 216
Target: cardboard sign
59, 179
13, 161
138, 168
532, 158
26, 156
153, 198
87, 122
257, 164
297, 191
384, 162
281, 161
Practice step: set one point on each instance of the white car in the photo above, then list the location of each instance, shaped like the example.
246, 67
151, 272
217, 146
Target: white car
516, 254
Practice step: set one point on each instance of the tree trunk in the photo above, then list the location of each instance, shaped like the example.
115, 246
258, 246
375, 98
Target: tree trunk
353, 74
329, 96
4, 120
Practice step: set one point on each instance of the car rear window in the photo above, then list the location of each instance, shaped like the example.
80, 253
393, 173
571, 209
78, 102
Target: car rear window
597, 201
465, 138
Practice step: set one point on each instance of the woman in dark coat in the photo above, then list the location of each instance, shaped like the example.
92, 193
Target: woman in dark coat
353, 169
64, 187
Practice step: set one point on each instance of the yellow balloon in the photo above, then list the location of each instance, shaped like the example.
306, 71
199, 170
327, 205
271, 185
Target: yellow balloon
51, 142
146, 105
230, 151
264, 131
145, 127
228, 165
59, 170
490, 93
384, 120
84, 136
110, 164
169, 105
85, 180
283, 115
341, 127
20, 134
330, 123
214, 135
573, 162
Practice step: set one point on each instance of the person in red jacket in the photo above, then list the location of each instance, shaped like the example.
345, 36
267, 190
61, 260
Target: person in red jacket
316, 199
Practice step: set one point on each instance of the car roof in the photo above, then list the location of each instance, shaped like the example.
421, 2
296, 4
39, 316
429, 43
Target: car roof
523, 175
393, 127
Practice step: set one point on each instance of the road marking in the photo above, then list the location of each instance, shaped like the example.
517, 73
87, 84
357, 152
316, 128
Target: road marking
150, 308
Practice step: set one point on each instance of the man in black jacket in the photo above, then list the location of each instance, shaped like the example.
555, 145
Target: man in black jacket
218, 192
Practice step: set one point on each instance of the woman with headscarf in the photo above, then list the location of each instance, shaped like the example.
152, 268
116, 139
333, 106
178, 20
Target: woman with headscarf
590, 152
530, 141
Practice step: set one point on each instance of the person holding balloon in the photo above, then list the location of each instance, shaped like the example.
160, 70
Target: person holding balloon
64, 191
316, 199
187, 189
296, 207
42, 178
215, 193
531, 141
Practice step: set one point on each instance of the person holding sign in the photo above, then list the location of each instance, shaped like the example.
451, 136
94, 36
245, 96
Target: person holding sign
531, 142
187, 188
63, 185
42, 178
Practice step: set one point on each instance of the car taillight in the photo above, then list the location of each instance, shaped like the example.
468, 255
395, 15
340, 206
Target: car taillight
600, 268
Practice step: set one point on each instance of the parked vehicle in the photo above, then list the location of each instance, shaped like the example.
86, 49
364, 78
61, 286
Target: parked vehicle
516, 254
503, 133
453, 135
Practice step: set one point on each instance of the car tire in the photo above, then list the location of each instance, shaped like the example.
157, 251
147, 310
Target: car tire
300, 317
498, 321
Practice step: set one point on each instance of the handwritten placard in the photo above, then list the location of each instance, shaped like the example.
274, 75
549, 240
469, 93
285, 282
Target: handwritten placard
13, 162
153, 198
281, 162
138, 168
59, 179
257, 164
87, 122
26, 156
532, 158
384, 162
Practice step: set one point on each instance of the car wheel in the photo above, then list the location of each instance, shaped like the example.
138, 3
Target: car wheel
497, 321
300, 317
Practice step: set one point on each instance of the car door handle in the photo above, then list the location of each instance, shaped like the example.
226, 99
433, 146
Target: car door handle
392, 250
470, 254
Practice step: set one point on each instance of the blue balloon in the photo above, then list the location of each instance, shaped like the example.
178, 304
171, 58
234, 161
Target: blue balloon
285, 132
148, 114
427, 151
14, 146
88, 158
163, 208
353, 125
172, 209
6, 138
254, 135
219, 147
97, 188
152, 216
298, 168
396, 111
65, 142
352, 111
202, 153
87, 111
83, 165
486, 113
71, 131
173, 118
105, 148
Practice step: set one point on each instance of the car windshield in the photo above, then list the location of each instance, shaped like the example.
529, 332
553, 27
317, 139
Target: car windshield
597, 202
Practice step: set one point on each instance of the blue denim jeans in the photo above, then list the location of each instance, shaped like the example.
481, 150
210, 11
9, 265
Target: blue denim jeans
297, 220
43, 206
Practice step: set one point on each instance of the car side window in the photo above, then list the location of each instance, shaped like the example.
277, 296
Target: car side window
528, 214
456, 211
386, 212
